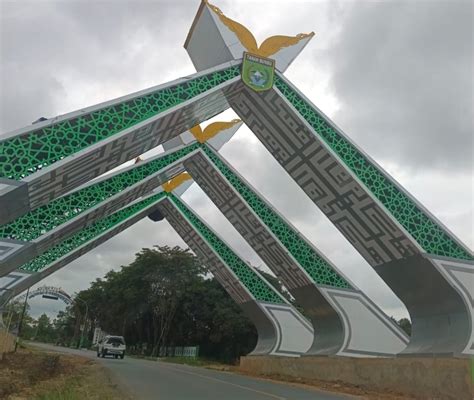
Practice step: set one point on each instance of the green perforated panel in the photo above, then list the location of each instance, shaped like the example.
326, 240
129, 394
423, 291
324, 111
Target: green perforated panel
43, 219
87, 234
259, 288
430, 236
316, 266
23, 155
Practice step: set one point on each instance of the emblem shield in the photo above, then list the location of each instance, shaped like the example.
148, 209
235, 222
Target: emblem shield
258, 72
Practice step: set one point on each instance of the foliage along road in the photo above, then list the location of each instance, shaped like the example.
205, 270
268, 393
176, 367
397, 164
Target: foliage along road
156, 380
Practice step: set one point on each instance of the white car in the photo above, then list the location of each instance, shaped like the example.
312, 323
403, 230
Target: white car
111, 346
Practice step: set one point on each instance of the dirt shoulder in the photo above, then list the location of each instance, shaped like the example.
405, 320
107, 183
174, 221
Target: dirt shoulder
35, 374
336, 387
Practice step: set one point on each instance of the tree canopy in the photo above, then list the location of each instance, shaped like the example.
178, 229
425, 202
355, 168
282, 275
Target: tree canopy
165, 297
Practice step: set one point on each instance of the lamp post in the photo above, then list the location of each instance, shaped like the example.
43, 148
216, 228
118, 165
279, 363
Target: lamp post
85, 320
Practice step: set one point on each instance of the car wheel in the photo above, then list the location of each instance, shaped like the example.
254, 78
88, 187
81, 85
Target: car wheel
115, 356
122, 356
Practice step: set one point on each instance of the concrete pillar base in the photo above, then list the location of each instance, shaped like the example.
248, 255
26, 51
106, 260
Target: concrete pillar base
430, 377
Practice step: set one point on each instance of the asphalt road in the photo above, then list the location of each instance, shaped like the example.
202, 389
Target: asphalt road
156, 380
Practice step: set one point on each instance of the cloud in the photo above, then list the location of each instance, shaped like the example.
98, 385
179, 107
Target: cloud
61, 56
402, 72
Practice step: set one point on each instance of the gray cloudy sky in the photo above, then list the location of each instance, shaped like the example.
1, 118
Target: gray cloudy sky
396, 76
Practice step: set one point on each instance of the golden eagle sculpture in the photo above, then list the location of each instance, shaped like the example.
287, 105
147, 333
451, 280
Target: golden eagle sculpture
270, 46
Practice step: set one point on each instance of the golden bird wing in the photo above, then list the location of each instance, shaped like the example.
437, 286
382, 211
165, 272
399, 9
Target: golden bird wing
213, 129
243, 34
175, 182
274, 44
197, 132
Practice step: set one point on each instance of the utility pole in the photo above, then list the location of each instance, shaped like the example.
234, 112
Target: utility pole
85, 321
21, 319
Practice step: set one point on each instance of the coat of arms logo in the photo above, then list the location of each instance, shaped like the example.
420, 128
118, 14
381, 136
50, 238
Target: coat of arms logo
258, 72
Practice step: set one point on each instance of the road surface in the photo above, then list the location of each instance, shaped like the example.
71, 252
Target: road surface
155, 380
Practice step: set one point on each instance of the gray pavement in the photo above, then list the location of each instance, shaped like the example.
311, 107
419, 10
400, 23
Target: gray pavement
144, 379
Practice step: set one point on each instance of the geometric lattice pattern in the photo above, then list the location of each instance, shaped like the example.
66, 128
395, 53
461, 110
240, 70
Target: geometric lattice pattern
316, 266
43, 219
259, 288
87, 234
429, 235
21, 156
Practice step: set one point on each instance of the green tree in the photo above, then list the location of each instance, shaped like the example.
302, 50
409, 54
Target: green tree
405, 324
178, 271
165, 297
64, 324
45, 331
12, 316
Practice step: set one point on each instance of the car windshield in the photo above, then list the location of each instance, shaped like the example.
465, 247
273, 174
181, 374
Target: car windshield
115, 340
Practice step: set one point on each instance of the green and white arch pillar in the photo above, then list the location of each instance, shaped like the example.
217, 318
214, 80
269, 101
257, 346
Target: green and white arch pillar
282, 330
345, 320
424, 264
60, 255
33, 233
48, 159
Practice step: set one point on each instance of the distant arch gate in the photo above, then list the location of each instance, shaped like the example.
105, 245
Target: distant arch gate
52, 292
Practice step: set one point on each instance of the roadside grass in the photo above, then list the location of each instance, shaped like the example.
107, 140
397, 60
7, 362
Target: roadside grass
472, 371
66, 394
39, 375
91, 383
